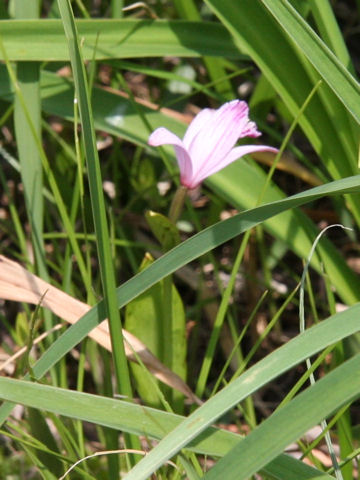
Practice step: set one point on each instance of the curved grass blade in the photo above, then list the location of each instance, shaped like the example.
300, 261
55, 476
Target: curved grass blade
326, 122
176, 258
140, 420
332, 71
117, 116
289, 423
278, 361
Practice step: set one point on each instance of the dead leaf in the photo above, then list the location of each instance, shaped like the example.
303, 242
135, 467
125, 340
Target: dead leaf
20, 285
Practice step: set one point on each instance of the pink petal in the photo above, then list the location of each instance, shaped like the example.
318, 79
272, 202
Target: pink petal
199, 122
233, 155
249, 129
208, 144
163, 136
219, 133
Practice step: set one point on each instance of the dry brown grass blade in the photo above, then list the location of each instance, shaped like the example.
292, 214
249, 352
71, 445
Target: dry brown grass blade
288, 164
19, 285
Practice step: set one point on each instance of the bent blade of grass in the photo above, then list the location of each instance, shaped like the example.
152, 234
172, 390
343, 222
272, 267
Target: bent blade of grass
293, 78
332, 71
117, 116
289, 423
174, 259
139, 420
143, 420
236, 391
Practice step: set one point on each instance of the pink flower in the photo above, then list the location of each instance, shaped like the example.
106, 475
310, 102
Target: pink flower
208, 144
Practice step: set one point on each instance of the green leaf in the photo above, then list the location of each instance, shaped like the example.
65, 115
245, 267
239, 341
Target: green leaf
29, 40
325, 121
28, 108
140, 420
163, 229
290, 422
145, 317
179, 256
275, 363
326, 63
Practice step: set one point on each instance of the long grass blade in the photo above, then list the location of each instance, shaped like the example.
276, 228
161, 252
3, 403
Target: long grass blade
289, 423
108, 117
97, 199
179, 256
239, 389
139, 420
332, 71
29, 40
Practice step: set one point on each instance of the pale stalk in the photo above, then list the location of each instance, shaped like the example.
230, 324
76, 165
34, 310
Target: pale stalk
177, 203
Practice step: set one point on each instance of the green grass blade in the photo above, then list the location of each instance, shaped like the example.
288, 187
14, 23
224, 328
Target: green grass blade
29, 40
97, 201
187, 9
176, 258
330, 31
138, 420
28, 75
28, 108
289, 423
322, 122
293, 227
116, 8
242, 387
332, 71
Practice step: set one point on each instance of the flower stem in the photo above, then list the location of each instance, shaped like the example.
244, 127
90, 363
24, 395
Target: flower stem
177, 203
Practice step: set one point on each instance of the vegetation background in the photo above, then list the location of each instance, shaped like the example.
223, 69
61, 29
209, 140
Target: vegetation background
210, 306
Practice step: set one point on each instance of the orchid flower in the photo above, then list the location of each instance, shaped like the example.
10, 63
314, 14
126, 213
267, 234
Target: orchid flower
208, 144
